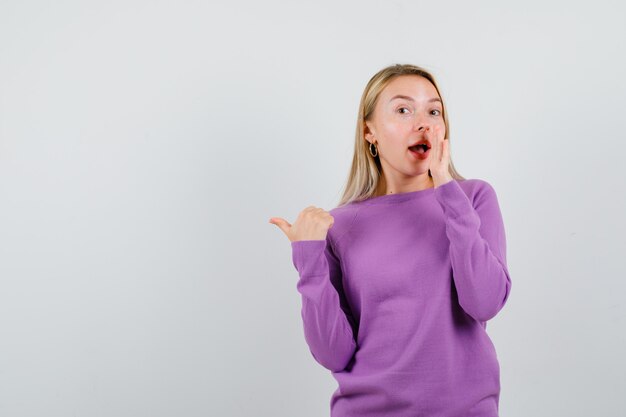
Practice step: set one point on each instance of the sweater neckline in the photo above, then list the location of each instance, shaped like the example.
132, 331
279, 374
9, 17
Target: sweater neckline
398, 197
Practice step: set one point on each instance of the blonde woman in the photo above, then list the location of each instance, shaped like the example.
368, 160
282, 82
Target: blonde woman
399, 281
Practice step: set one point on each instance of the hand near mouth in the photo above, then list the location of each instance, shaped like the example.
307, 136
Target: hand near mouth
440, 157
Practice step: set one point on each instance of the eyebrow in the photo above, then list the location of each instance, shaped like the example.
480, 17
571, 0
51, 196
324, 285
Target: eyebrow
411, 98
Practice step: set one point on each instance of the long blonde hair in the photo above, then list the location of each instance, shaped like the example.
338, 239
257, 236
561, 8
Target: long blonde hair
366, 171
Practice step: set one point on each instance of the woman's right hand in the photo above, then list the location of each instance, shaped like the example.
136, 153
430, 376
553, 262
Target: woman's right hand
312, 224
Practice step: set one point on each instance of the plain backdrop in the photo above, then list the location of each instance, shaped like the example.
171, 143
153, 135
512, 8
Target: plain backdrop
144, 145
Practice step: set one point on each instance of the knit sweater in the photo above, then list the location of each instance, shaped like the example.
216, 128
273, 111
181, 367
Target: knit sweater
395, 302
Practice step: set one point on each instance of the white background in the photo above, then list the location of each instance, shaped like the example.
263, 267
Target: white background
144, 145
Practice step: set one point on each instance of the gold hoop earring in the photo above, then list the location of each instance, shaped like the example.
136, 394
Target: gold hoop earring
372, 153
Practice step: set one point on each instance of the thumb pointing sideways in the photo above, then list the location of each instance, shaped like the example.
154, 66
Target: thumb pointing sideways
283, 224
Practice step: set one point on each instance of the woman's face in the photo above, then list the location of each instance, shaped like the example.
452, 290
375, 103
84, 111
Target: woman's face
408, 110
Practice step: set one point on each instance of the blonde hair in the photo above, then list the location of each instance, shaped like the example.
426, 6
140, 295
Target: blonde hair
366, 171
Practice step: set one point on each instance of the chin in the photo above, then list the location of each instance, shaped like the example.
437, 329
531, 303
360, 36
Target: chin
416, 172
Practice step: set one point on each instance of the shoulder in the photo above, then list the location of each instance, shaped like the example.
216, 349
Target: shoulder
474, 184
482, 196
477, 189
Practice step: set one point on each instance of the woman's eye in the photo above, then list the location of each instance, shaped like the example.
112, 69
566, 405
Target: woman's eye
403, 108
438, 112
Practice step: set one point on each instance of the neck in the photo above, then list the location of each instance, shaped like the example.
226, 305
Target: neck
390, 187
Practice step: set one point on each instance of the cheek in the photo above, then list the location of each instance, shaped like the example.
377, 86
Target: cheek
397, 130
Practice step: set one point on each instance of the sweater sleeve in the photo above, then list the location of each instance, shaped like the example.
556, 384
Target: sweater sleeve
477, 249
328, 323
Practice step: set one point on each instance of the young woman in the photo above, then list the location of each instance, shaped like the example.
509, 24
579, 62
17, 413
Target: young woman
399, 280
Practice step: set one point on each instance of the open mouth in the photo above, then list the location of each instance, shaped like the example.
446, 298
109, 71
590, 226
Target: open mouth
422, 148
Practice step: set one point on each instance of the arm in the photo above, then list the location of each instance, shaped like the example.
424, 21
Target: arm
328, 323
477, 249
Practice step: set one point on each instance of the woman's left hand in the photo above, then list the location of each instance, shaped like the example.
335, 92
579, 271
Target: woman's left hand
439, 157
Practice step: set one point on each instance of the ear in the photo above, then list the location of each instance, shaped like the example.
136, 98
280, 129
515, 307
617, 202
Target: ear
367, 132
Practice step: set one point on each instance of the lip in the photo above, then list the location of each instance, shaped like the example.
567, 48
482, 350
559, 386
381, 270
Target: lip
426, 141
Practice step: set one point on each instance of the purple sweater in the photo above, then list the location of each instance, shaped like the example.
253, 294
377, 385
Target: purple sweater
396, 298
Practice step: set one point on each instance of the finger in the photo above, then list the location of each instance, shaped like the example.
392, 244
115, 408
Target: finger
442, 148
437, 146
433, 134
433, 142
310, 211
283, 224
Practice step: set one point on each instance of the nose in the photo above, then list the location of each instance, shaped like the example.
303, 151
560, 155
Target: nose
422, 124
